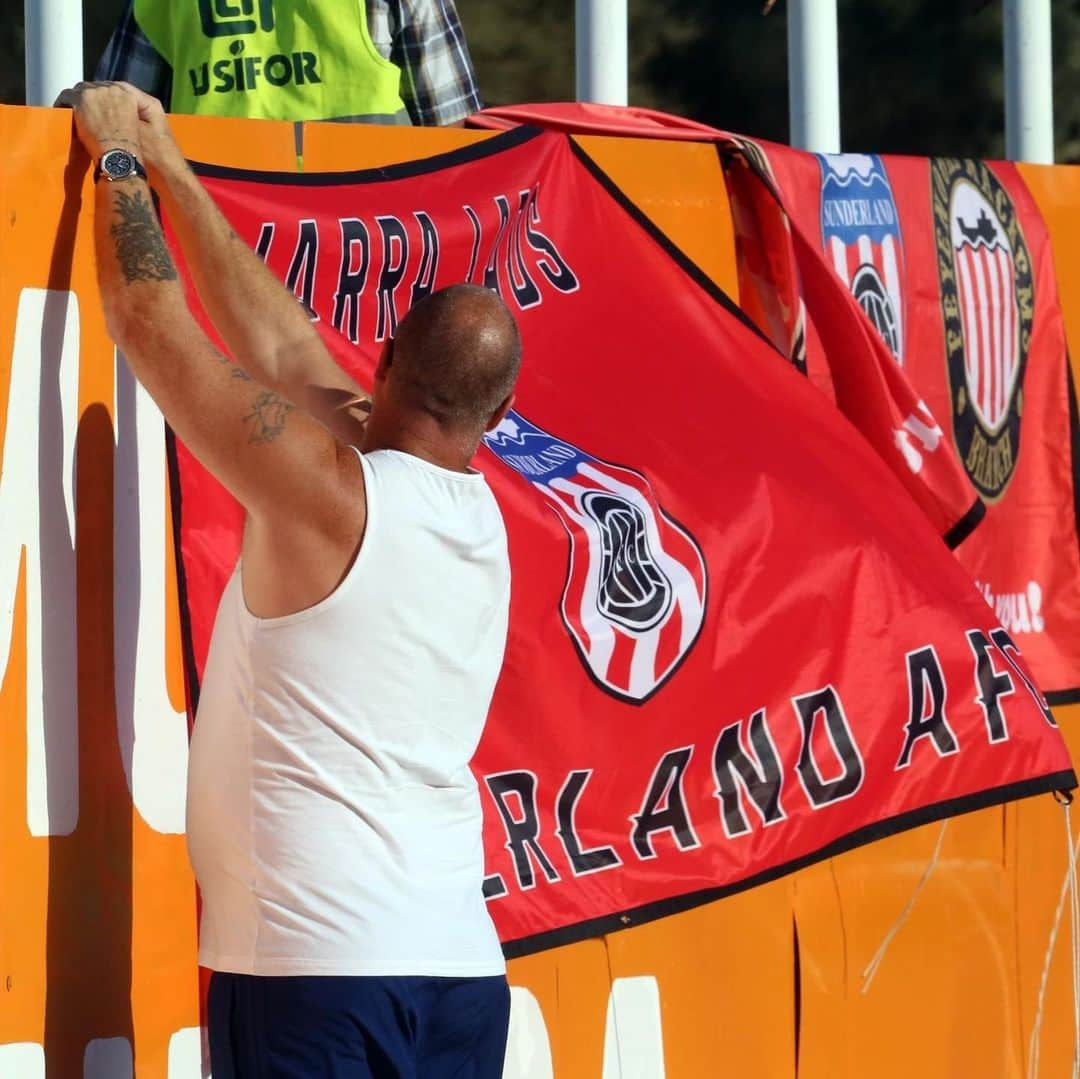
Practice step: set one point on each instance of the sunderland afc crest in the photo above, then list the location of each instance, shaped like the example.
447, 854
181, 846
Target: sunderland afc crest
634, 598
860, 231
988, 305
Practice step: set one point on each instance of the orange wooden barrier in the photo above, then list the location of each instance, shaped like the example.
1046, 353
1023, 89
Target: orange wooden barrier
97, 908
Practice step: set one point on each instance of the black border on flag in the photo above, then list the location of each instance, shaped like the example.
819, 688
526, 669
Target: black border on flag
191, 673
678, 904
966, 525
402, 170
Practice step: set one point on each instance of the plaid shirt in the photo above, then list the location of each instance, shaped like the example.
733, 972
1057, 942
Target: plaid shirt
422, 37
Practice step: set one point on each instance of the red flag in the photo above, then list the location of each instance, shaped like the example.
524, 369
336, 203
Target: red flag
736, 645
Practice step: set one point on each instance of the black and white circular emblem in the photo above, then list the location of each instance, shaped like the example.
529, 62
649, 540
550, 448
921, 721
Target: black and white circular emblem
632, 590
872, 296
987, 305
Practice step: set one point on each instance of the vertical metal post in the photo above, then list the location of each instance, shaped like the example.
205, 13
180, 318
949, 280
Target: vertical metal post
1029, 82
813, 75
601, 51
54, 48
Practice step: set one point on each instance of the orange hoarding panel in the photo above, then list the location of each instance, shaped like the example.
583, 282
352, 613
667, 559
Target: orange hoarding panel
97, 918
97, 912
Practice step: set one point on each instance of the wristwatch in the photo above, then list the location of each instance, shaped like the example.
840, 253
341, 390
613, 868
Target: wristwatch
118, 165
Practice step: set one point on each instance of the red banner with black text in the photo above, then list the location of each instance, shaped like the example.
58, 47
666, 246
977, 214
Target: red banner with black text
737, 644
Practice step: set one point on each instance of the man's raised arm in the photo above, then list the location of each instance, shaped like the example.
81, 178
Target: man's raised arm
287, 469
272, 341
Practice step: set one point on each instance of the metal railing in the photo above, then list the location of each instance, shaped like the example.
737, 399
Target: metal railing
54, 59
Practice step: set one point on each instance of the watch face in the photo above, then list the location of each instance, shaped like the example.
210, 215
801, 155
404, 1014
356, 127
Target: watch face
117, 164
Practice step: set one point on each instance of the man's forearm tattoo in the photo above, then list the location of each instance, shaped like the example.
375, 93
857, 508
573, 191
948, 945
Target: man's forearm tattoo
267, 417
140, 247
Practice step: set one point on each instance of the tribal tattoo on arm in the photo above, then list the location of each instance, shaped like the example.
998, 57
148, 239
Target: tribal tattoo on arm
140, 246
267, 417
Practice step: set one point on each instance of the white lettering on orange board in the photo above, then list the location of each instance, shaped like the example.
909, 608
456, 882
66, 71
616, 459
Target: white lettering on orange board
109, 1058
633, 1036
153, 735
189, 1054
37, 508
22, 1060
528, 1049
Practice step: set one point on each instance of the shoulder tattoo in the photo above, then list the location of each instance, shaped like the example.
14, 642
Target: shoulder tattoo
267, 417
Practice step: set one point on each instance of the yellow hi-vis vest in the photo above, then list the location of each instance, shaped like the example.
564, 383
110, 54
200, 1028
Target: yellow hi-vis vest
273, 59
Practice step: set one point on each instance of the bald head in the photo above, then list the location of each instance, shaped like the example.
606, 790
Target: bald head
456, 356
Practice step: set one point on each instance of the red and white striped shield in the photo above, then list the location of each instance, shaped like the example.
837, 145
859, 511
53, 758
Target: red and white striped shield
860, 231
989, 313
634, 599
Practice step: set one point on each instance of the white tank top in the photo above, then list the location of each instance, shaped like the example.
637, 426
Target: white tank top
333, 822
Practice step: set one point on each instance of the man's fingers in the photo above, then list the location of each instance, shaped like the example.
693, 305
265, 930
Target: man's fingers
147, 104
131, 89
71, 97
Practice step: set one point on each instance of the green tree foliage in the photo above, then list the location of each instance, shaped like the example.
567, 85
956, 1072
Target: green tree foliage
1067, 80
917, 76
523, 49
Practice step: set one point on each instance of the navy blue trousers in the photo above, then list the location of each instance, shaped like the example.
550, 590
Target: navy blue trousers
357, 1028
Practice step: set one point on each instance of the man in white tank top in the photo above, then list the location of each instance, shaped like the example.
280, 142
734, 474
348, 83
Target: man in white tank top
333, 821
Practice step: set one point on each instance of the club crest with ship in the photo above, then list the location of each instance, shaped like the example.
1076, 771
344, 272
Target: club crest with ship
987, 304
860, 231
634, 599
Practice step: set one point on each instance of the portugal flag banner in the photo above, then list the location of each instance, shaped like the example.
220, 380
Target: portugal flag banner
950, 261
737, 645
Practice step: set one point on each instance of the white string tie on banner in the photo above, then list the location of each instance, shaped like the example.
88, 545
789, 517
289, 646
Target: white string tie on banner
872, 967
1071, 889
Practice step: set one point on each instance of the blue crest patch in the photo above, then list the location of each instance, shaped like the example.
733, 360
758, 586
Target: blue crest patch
860, 233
